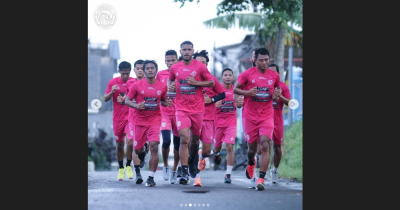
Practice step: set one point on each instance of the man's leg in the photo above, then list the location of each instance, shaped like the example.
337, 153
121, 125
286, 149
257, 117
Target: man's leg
184, 153
230, 157
166, 135
174, 175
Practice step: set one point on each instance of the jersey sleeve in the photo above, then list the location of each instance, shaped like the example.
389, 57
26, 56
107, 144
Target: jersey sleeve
132, 91
171, 76
109, 86
206, 75
242, 78
218, 86
278, 79
285, 91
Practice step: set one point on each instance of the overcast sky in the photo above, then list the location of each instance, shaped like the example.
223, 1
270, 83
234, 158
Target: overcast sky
147, 29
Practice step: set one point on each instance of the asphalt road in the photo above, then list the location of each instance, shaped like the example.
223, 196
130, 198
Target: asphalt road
106, 192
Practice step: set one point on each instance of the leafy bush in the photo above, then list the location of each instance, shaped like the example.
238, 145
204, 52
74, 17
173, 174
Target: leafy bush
102, 150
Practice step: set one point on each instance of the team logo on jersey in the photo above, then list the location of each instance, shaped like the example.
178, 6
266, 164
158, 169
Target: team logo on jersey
269, 82
253, 81
262, 78
142, 92
178, 123
200, 130
247, 136
214, 141
231, 138
135, 143
162, 80
193, 73
158, 92
131, 133
163, 124
186, 69
177, 74
116, 138
118, 88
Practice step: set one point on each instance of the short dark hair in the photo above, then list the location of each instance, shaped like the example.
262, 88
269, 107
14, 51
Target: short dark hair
150, 61
171, 52
187, 42
124, 65
226, 69
276, 66
262, 51
202, 53
138, 62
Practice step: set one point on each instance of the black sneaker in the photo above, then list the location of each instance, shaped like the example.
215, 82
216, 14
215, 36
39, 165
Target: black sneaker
184, 179
179, 172
142, 155
138, 178
192, 167
217, 159
150, 182
227, 178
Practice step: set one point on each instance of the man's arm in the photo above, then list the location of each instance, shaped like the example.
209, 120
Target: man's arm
108, 96
129, 102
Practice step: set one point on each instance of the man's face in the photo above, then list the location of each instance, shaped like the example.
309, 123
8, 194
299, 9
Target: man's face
186, 52
202, 60
150, 70
227, 77
262, 62
170, 60
139, 71
124, 74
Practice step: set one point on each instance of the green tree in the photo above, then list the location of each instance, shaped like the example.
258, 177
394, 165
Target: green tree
269, 19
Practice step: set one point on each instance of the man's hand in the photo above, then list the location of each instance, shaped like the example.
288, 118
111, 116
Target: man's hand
239, 102
252, 91
114, 88
191, 81
207, 100
172, 87
169, 102
277, 93
141, 105
218, 104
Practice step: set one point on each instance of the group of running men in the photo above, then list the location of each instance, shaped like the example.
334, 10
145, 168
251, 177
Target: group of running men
189, 101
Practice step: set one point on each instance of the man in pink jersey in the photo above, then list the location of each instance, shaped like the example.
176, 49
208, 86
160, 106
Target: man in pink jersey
225, 123
137, 164
116, 90
148, 93
168, 122
211, 95
261, 85
187, 78
277, 136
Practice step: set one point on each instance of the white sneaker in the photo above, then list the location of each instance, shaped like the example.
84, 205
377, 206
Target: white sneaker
274, 177
253, 183
172, 179
166, 171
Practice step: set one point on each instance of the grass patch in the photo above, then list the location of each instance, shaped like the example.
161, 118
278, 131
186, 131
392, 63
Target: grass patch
291, 165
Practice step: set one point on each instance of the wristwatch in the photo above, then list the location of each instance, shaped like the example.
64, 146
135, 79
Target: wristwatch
212, 99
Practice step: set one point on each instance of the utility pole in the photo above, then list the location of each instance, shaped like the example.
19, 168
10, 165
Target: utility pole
290, 79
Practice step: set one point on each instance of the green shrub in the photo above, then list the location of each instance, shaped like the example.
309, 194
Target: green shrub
102, 150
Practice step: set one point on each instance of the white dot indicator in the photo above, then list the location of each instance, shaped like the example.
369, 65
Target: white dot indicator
293, 104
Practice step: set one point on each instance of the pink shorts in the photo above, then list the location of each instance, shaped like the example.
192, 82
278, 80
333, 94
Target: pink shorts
168, 122
277, 136
120, 128
224, 134
252, 131
145, 133
131, 127
207, 131
187, 119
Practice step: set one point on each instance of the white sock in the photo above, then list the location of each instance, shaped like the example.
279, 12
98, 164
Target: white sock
275, 170
151, 173
179, 163
197, 176
229, 169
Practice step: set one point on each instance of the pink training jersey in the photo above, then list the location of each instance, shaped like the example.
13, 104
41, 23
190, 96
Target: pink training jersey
226, 113
209, 109
120, 111
189, 98
278, 117
258, 107
151, 94
131, 110
162, 76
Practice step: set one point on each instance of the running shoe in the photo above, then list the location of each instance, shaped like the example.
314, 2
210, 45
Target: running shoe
253, 183
260, 184
184, 179
202, 162
274, 177
121, 174
166, 172
150, 182
192, 167
172, 179
250, 169
227, 178
217, 159
197, 182
129, 172
138, 178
